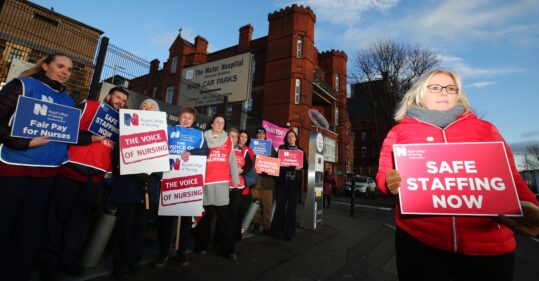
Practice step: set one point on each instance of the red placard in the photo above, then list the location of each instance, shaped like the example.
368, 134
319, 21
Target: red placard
291, 158
143, 146
456, 179
268, 165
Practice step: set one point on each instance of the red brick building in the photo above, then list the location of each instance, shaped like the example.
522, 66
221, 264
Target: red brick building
290, 77
371, 113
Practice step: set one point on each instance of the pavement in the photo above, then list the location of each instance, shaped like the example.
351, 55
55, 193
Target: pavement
342, 248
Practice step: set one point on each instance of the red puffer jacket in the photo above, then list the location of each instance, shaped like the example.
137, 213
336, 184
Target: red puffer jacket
458, 234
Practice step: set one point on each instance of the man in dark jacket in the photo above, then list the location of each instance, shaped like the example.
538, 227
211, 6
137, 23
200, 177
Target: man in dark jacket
69, 213
263, 191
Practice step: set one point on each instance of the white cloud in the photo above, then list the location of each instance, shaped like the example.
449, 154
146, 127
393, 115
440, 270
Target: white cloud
482, 84
461, 21
344, 12
443, 24
460, 66
348, 12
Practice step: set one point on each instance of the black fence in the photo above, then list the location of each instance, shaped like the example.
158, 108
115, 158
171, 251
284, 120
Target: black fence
122, 65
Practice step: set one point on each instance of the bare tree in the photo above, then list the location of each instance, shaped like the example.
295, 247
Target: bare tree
531, 160
398, 65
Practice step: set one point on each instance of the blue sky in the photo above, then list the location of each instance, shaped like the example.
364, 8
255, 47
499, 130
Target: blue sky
492, 44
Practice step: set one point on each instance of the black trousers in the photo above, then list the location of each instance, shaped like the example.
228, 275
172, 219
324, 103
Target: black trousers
223, 230
23, 208
68, 221
129, 235
234, 210
327, 197
165, 229
284, 219
417, 261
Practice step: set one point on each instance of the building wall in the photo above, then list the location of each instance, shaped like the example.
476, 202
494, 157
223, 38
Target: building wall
30, 32
277, 68
370, 117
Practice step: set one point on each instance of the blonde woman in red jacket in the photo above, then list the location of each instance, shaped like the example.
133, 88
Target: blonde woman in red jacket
429, 247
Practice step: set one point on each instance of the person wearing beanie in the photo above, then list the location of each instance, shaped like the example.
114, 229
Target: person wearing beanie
263, 191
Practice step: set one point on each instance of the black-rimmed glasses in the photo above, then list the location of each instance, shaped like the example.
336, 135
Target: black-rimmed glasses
436, 89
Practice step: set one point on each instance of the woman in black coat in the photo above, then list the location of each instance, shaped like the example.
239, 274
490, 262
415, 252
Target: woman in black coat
290, 179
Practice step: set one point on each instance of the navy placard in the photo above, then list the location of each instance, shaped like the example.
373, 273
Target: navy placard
261, 147
36, 118
106, 122
182, 139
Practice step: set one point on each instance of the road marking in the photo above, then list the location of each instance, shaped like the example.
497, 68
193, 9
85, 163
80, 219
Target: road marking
535, 239
366, 206
390, 226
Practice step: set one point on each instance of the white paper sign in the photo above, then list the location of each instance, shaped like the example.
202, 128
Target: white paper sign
182, 189
143, 142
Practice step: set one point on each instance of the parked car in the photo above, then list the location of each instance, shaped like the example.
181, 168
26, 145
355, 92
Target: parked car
363, 186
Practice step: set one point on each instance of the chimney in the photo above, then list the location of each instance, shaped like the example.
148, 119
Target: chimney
246, 35
201, 48
201, 45
154, 65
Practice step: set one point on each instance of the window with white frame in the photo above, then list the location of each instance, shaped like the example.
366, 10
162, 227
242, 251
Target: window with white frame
299, 47
170, 93
297, 92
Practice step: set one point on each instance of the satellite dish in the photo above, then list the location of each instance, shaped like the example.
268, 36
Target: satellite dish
318, 119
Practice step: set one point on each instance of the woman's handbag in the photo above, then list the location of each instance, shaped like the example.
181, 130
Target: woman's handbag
250, 177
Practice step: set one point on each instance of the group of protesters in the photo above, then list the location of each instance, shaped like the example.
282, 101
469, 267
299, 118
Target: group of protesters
49, 188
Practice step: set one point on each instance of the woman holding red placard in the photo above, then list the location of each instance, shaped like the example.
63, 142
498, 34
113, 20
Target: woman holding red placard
288, 188
442, 247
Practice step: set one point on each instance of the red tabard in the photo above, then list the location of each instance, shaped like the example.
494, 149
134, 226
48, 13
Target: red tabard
97, 154
240, 159
217, 166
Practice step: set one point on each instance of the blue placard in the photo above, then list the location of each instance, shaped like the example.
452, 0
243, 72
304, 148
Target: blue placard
105, 122
35, 118
261, 147
182, 139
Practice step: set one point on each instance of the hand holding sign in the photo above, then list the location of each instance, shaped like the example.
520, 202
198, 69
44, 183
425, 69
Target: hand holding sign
528, 224
393, 181
39, 141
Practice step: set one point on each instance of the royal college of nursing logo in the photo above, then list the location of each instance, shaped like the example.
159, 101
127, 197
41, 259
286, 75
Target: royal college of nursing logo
131, 119
40, 109
175, 135
401, 151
